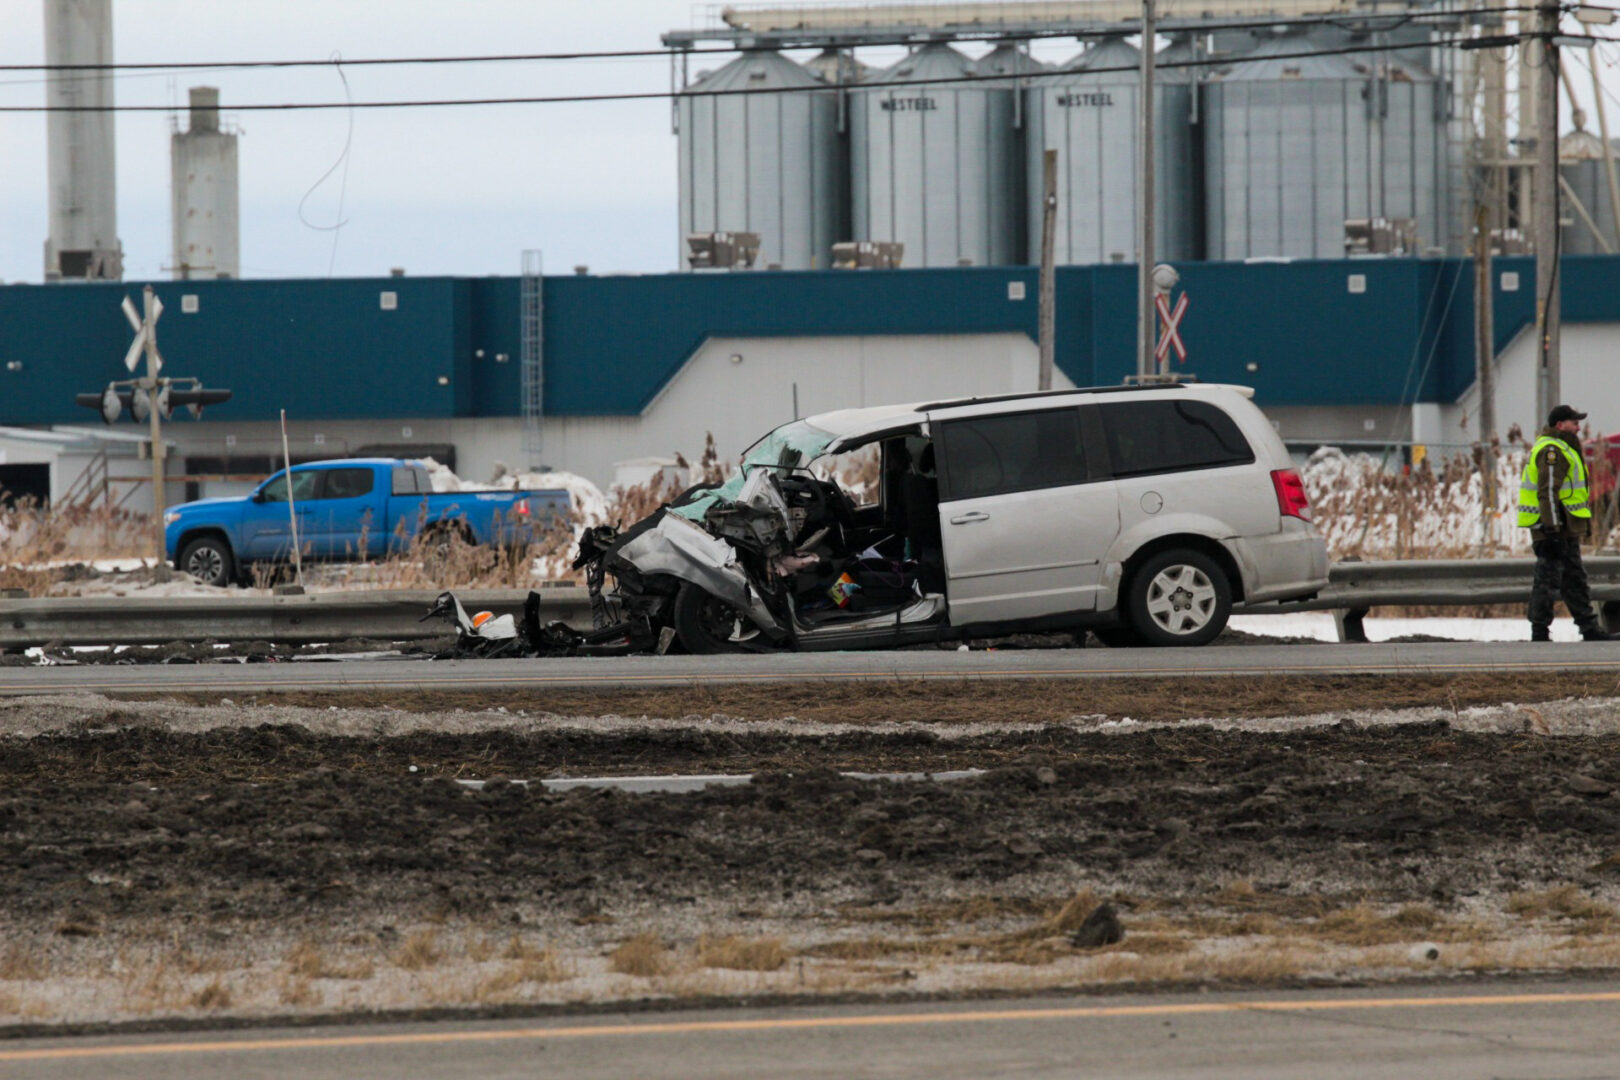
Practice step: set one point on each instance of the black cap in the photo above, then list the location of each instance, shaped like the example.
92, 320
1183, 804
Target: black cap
1561, 413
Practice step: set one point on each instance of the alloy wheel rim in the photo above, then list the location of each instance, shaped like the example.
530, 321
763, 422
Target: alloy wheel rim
206, 564
1181, 599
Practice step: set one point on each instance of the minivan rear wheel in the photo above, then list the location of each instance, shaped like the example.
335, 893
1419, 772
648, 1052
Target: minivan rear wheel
1179, 597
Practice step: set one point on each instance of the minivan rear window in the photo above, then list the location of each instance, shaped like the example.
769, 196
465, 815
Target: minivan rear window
993, 455
1165, 436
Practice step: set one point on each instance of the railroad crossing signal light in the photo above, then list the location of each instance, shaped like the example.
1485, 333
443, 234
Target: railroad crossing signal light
112, 401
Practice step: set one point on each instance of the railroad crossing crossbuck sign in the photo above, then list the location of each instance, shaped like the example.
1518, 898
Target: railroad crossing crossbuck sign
1170, 337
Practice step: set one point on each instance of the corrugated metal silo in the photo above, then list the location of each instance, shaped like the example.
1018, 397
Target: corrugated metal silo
1009, 170
926, 162
764, 163
1295, 146
1581, 155
1089, 116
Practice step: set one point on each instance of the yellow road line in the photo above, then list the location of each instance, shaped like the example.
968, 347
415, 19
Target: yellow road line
695, 1027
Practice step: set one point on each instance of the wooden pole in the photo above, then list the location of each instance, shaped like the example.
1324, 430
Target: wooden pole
1048, 285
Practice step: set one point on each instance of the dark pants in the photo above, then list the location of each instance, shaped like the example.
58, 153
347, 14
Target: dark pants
1559, 573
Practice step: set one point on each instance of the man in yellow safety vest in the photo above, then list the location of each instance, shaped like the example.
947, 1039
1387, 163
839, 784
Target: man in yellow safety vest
1554, 504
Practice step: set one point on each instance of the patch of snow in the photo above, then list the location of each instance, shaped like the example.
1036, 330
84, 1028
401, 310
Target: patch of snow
1319, 625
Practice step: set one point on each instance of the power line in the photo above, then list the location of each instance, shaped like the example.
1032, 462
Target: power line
1384, 22
662, 95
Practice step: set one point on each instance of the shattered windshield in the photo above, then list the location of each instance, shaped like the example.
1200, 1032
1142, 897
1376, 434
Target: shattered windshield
791, 446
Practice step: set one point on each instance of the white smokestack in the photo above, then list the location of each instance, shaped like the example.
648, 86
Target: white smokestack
83, 240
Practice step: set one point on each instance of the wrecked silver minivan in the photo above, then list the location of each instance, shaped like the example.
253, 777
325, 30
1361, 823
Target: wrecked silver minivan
1142, 513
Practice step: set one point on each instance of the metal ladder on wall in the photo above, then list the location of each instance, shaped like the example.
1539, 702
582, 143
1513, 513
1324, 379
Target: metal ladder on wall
531, 311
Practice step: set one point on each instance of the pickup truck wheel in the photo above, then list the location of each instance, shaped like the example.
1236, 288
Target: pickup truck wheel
1179, 597
209, 560
706, 625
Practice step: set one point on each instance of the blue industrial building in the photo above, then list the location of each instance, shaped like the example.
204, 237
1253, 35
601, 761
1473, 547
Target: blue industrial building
438, 360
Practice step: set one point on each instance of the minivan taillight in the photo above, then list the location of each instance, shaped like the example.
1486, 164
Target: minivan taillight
1291, 498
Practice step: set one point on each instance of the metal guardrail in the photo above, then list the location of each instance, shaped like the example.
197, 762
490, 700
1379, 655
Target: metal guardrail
1353, 589
286, 620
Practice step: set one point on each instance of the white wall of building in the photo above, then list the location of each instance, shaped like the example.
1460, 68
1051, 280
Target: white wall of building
1589, 369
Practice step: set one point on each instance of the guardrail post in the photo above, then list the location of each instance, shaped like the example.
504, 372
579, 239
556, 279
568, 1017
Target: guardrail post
1609, 616
1347, 621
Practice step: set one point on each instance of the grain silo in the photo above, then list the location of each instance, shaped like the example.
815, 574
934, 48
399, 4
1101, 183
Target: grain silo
1089, 115
81, 168
1009, 170
203, 193
925, 162
1580, 155
762, 162
1296, 145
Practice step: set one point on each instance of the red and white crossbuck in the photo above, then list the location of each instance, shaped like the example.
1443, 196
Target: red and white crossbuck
1170, 337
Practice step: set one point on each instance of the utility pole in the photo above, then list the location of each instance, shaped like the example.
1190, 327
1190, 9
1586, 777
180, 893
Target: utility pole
1548, 382
1485, 367
1048, 285
1145, 203
1484, 327
152, 307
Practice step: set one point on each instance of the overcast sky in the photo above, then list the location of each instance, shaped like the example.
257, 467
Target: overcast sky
436, 191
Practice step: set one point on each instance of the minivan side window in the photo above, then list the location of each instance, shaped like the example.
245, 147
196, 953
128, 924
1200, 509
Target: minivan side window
1167, 436
994, 455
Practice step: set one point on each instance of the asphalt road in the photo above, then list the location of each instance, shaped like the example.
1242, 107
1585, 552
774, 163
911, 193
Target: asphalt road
1437, 1033
1449, 658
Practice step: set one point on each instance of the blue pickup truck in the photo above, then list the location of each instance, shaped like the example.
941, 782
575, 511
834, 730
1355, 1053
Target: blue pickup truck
347, 511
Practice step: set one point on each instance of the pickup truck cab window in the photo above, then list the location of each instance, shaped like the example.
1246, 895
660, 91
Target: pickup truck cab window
347, 483
405, 481
306, 485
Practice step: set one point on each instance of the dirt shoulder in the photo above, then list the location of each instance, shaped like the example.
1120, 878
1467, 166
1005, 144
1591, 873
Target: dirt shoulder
162, 860
940, 702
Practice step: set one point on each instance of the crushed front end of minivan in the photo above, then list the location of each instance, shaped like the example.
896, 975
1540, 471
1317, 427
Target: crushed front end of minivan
781, 554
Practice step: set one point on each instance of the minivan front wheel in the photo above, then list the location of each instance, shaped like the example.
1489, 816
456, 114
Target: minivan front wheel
1180, 597
706, 625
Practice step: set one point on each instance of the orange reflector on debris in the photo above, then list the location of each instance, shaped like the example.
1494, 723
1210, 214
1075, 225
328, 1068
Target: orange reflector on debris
481, 618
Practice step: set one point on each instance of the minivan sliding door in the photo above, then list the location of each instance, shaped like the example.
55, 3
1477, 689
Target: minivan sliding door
1024, 521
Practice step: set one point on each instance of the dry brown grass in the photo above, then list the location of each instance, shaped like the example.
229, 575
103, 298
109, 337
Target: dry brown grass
216, 995
419, 951
547, 967
297, 992
1565, 902
740, 953
307, 960
24, 963
645, 955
